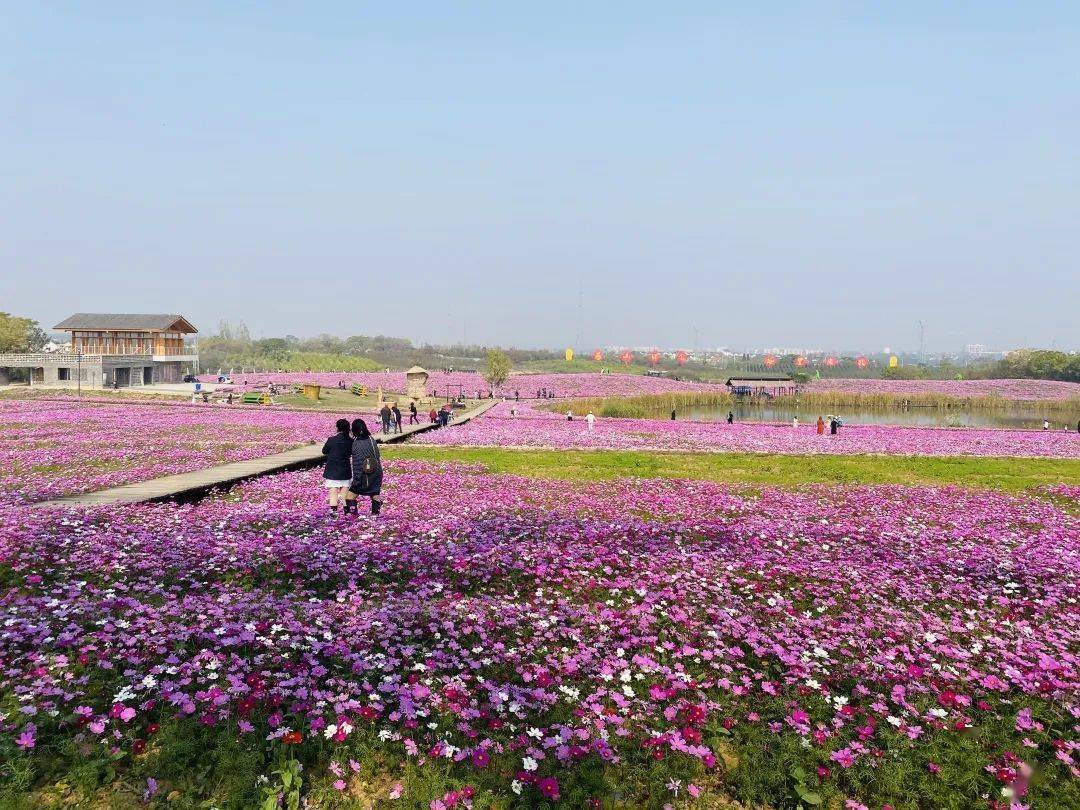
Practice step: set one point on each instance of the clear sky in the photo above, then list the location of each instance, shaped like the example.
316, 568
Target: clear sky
758, 174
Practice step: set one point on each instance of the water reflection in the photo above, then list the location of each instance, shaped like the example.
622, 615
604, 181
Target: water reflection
933, 417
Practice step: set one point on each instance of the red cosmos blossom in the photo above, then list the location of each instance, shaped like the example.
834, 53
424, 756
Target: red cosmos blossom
152, 729
690, 734
293, 738
138, 747
369, 712
549, 787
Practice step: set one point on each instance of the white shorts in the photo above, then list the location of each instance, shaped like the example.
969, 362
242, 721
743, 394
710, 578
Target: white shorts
330, 483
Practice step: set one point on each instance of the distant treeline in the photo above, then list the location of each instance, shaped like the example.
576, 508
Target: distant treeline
233, 347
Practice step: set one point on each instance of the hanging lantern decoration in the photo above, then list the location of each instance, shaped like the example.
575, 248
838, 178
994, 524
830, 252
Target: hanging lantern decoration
862, 362
770, 360
681, 357
654, 357
800, 362
569, 355
894, 361
830, 362
627, 357
598, 355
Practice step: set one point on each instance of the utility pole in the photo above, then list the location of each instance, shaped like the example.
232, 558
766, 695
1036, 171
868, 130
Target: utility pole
922, 338
78, 372
580, 309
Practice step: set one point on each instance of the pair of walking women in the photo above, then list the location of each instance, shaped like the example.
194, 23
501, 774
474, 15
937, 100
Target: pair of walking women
353, 467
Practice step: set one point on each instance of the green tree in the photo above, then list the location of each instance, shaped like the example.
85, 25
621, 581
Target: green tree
20, 334
498, 367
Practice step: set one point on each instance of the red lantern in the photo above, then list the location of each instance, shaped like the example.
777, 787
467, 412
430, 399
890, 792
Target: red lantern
862, 362
598, 355
654, 357
800, 362
830, 361
627, 357
681, 357
770, 360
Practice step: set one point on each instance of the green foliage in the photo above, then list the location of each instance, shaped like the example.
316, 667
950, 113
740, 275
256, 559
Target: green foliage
1010, 474
1042, 364
497, 368
20, 334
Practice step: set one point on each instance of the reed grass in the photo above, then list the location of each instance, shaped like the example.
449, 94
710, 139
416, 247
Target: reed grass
653, 406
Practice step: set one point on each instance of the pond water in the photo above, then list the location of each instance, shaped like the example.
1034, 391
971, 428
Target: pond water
932, 417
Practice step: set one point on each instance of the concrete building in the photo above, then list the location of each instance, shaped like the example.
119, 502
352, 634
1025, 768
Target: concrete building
113, 350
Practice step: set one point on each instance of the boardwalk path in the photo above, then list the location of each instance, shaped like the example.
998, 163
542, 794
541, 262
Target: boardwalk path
171, 486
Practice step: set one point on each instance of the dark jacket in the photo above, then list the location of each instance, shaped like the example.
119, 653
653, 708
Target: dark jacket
338, 450
366, 483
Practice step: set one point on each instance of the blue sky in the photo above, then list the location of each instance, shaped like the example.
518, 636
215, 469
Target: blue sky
803, 174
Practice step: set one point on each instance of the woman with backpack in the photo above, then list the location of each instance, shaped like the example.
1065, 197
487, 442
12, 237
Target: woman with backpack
337, 474
367, 471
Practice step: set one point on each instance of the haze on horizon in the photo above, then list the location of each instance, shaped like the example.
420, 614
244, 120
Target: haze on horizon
758, 176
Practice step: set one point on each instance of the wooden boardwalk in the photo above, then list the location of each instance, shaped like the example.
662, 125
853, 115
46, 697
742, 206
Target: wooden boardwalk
200, 481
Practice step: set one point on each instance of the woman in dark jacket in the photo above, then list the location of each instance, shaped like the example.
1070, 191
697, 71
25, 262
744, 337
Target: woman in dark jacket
337, 474
366, 469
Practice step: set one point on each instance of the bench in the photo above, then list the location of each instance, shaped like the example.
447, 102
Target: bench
359, 390
255, 398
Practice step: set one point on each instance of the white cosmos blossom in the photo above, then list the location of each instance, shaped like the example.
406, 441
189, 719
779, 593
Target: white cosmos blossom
528, 763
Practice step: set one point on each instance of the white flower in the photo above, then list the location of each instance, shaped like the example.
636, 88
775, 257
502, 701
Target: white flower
516, 787
939, 713
893, 721
535, 732
330, 731
528, 763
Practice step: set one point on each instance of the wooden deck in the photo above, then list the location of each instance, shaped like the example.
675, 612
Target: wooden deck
200, 481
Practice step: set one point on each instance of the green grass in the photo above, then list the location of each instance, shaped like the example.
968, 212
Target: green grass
1009, 474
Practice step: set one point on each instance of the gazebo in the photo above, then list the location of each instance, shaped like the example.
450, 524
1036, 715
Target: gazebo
416, 383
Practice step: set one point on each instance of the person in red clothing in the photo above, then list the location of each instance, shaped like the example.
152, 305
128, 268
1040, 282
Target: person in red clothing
433, 416
820, 426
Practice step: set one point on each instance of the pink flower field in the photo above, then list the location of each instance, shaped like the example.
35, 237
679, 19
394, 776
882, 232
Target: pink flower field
48, 449
542, 429
563, 385
1026, 390
495, 642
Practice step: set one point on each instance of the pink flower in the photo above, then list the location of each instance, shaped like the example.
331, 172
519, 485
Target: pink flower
339, 784
26, 739
844, 757
549, 787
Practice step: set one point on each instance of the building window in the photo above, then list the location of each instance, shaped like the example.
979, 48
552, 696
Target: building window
63, 373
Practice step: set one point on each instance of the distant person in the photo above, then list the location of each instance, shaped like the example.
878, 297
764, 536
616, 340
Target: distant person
591, 420
395, 412
834, 425
433, 415
1046, 424
337, 472
730, 418
672, 414
569, 415
795, 422
367, 473
820, 426
513, 412
517, 396
385, 415
445, 413
1078, 426
413, 420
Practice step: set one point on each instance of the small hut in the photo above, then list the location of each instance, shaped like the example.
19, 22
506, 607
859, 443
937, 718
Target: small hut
416, 383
